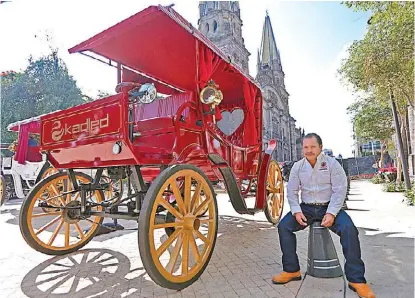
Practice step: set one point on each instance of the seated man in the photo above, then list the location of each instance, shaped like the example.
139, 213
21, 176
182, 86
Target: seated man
323, 185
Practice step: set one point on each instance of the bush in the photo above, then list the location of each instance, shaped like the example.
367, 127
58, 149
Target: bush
394, 187
378, 179
389, 187
410, 195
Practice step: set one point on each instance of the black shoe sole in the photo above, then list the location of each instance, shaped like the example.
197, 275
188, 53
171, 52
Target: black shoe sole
283, 283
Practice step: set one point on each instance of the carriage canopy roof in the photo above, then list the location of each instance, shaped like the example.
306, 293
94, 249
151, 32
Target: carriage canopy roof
160, 43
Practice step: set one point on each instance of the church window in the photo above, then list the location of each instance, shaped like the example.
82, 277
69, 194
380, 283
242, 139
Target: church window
215, 26
207, 27
216, 4
227, 27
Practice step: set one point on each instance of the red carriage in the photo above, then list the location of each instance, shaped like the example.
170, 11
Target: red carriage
165, 132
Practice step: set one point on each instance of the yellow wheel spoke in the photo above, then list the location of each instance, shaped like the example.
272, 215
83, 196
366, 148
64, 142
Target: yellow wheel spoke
67, 229
185, 254
46, 214
196, 197
76, 196
170, 208
68, 189
51, 201
54, 190
203, 205
80, 232
55, 233
207, 220
48, 225
275, 206
168, 225
168, 242
193, 245
270, 182
175, 254
202, 237
178, 196
187, 192
272, 189
273, 175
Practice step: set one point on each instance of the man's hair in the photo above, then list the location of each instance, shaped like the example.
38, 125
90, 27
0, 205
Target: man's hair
311, 135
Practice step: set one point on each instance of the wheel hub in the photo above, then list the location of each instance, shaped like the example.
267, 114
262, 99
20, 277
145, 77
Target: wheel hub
191, 222
72, 215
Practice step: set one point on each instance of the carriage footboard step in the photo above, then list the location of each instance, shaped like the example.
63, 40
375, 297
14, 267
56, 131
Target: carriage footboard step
238, 202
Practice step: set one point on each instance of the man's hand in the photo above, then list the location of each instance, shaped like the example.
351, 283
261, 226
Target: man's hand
300, 218
328, 220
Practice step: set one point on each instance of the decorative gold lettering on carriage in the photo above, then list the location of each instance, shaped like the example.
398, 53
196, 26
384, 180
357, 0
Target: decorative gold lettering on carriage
89, 127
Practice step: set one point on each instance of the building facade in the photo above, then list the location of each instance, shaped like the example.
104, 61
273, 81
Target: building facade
221, 22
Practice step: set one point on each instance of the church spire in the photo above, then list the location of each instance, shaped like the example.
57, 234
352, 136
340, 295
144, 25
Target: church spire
269, 51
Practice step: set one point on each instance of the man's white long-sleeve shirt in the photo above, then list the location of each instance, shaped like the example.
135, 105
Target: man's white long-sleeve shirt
326, 182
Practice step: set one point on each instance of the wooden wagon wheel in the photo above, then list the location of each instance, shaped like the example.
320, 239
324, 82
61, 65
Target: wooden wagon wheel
2, 190
59, 231
49, 172
275, 193
177, 260
44, 173
111, 187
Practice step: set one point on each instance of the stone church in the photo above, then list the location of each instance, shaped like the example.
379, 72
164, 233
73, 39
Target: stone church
221, 22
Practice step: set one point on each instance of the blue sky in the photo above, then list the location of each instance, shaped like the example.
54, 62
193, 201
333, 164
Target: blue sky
312, 38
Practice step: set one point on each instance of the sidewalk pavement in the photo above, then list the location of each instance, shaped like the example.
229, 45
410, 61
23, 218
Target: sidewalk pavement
246, 255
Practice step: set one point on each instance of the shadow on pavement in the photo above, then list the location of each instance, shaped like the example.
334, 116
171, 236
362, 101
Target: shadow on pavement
80, 274
389, 262
108, 273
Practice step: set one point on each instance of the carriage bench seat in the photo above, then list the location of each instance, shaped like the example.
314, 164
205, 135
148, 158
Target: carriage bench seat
154, 126
162, 108
155, 133
146, 126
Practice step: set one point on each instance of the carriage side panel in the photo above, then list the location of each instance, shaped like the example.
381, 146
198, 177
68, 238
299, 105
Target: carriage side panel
84, 136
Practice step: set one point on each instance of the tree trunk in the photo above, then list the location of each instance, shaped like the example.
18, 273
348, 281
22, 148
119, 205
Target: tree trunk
404, 133
399, 171
382, 144
400, 143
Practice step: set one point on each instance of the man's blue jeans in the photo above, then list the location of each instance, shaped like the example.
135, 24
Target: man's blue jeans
343, 226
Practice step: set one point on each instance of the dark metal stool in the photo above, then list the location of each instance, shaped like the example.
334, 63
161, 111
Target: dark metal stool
322, 257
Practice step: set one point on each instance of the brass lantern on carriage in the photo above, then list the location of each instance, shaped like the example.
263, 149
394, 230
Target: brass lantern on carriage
212, 96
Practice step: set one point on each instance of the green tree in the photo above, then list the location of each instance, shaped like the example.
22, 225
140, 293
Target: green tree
382, 63
44, 86
372, 120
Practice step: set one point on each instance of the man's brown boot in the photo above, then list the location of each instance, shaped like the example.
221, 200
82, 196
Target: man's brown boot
362, 290
285, 277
